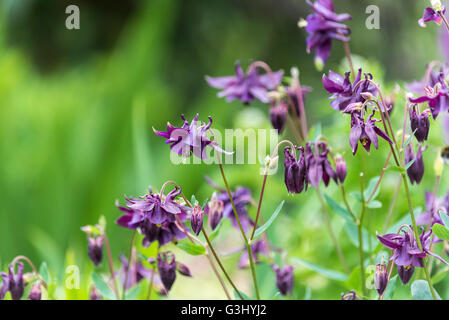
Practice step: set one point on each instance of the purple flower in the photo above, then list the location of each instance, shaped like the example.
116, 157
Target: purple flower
366, 132
322, 26
183, 269
278, 116
246, 87
293, 92
295, 174
437, 98
351, 295
94, 294
284, 279
340, 169
95, 249
259, 247
415, 171
196, 220
381, 278
164, 233
190, 138
15, 280
405, 273
344, 92
214, 209
430, 15
136, 273
433, 207
5, 285
166, 264
318, 165
419, 123
36, 292
241, 197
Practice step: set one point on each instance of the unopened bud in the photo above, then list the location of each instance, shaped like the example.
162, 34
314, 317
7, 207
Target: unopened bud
367, 95
36, 292
271, 163
196, 220
183, 269
381, 278
340, 168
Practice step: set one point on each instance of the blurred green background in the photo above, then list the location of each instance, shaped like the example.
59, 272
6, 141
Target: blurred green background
77, 109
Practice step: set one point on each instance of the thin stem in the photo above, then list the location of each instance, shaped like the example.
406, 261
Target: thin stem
150, 287
129, 264
380, 178
348, 207
392, 205
360, 232
429, 280
248, 247
299, 97
221, 265
111, 264
444, 20
259, 205
331, 232
349, 57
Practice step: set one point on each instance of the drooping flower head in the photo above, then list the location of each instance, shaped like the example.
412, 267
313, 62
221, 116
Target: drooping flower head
431, 15
278, 115
259, 247
190, 138
295, 172
166, 265
434, 207
344, 92
323, 26
381, 278
36, 292
16, 282
419, 123
284, 279
318, 165
242, 197
415, 171
136, 273
340, 169
246, 87
214, 209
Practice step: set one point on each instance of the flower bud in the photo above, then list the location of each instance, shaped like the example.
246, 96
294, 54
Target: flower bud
381, 278
95, 249
367, 95
166, 264
183, 269
36, 292
196, 220
278, 116
351, 295
419, 123
340, 168
94, 294
284, 279
416, 170
214, 210
16, 284
405, 273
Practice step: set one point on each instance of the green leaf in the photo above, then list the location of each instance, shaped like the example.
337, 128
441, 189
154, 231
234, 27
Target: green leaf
421, 291
266, 225
353, 233
439, 276
245, 297
444, 218
354, 281
407, 142
397, 169
214, 233
133, 292
374, 204
330, 274
408, 165
102, 287
193, 200
43, 272
191, 248
391, 287
370, 188
441, 231
341, 211
357, 195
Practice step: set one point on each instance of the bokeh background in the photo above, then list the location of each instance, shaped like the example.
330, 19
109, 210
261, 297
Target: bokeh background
77, 109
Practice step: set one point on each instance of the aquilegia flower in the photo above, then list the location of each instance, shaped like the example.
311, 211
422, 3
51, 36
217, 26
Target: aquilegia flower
434, 206
318, 165
344, 92
166, 265
241, 197
365, 131
95, 249
214, 209
246, 87
136, 273
340, 168
284, 279
35, 292
431, 15
190, 138
259, 247
406, 253
278, 115
381, 278
13, 282
322, 26
415, 171
295, 174
419, 123
196, 220
437, 98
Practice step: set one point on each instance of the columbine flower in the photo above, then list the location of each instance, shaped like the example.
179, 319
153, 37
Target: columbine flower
416, 170
431, 15
284, 279
36, 292
196, 220
15, 280
340, 169
95, 249
214, 209
259, 247
437, 97
381, 278
406, 253
166, 264
5, 285
344, 92
366, 132
241, 197
136, 273
246, 87
190, 138
318, 165
419, 123
433, 207
295, 174
278, 115
322, 26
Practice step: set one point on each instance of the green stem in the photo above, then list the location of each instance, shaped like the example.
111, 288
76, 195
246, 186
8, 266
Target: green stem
129, 264
360, 232
150, 287
248, 246
111, 265
259, 205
